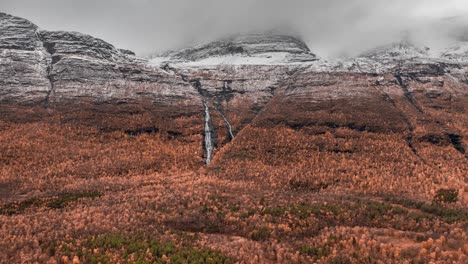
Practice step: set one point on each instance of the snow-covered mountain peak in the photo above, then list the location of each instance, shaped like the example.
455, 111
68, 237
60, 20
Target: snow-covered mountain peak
397, 51
382, 59
251, 49
457, 53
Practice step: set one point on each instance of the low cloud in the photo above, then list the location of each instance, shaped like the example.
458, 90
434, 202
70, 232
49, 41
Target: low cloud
330, 27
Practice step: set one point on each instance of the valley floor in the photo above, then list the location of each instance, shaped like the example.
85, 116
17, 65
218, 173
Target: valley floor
72, 193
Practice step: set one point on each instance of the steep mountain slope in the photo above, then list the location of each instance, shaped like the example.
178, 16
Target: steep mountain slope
221, 87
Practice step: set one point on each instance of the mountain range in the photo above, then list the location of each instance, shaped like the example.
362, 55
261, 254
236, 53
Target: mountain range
238, 77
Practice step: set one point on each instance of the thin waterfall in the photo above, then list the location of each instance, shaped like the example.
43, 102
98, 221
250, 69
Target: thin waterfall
208, 135
228, 125
226, 121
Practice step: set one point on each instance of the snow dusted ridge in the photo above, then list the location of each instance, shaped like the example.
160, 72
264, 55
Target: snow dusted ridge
392, 57
458, 53
269, 58
249, 49
274, 49
400, 50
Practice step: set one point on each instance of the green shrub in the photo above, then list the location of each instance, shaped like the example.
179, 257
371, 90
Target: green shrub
19, 207
262, 233
274, 211
243, 155
315, 252
342, 260
141, 248
65, 198
54, 202
446, 196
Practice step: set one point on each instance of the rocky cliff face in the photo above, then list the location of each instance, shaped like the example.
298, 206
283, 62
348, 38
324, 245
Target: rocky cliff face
61, 66
86, 67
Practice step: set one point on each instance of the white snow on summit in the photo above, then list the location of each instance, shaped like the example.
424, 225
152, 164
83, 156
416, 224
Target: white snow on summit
458, 53
268, 58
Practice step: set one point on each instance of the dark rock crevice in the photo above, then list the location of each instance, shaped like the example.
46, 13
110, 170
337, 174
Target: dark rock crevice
209, 133
410, 136
409, 97
143, 130
50, 50
334, 125
225, 95
453, 138
456, 141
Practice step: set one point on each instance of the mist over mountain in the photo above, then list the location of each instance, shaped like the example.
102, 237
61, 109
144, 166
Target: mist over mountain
330, 28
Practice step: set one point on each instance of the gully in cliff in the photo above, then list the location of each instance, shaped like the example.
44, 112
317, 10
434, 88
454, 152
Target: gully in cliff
209, 135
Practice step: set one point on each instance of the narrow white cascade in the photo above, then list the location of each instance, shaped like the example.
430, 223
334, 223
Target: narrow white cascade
208, 135
228, 125
226, 122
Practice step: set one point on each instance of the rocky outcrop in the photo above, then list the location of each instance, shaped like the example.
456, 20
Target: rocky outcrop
23, 61
85, 67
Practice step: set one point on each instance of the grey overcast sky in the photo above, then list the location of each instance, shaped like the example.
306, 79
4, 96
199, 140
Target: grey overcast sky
330, 27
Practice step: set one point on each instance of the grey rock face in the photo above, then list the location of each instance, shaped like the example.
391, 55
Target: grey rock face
61, 43
23, 61
18, 33
235, 94
87, 67
237, 77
